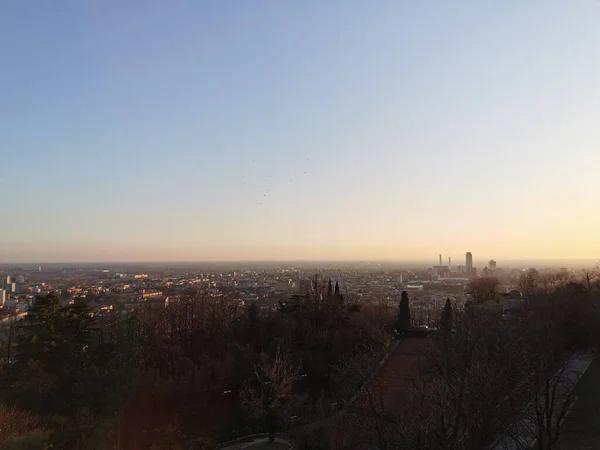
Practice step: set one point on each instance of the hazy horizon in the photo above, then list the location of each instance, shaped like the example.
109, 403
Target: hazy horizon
305, 131
400, 263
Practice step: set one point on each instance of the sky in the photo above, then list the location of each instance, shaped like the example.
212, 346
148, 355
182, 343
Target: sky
270, 129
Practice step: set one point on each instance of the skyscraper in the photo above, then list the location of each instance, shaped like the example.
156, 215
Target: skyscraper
469, 261
492, 264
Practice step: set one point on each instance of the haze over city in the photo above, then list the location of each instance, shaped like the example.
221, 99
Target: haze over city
307, 131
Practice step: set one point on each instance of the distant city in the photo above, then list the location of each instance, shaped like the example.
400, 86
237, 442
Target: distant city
126, 287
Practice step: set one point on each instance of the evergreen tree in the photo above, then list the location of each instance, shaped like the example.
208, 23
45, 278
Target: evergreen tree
31, 379
63, 370
53, 352
329, 290
446, 319
403, 313
337, 289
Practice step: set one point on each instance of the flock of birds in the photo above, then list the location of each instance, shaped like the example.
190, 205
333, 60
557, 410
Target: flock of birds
271, 176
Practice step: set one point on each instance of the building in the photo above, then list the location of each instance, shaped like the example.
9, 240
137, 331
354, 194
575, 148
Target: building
413, 287
11, 303
492, 264
440, 271
151, 294
2, 297
469, 263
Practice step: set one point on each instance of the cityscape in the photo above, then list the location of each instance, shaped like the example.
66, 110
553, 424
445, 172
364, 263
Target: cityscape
132, 286
269, 225
249, 294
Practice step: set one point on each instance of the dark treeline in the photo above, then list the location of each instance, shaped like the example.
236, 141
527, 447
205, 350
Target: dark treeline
208, 369
184, 376
491, 374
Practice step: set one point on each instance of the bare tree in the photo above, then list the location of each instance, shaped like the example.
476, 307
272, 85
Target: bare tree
540, 424
483, 289
465, 393
354, 371
271, 399
591, 277
529, 283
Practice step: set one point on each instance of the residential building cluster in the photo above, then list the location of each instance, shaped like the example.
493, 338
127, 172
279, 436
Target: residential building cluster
122, 289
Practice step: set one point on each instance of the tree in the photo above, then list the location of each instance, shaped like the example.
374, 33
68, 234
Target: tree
271, 399
542, 421
469, 382
329, 290
529, 283
32, 377
483, 289
550, 391
61, 372
591, 277
446, 319
403, 313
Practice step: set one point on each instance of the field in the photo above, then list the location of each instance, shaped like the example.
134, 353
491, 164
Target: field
582, 426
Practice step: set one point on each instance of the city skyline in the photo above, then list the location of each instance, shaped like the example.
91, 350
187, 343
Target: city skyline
313, 131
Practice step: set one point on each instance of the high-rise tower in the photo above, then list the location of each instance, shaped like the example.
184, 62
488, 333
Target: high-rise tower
469, 261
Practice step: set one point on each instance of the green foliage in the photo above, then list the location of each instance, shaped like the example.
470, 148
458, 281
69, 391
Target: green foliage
69, 371
54, 357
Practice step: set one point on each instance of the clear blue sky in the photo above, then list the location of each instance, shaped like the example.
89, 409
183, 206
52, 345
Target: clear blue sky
153, 130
